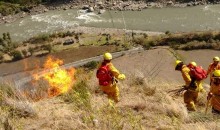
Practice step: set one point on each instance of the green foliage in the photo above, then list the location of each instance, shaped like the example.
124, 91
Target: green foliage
79, 95
23, 2
40, 39
31, 50
7, 43
24, 52
1, 56
1, 41
16, 55
167, 32
8, 8
62, 34
185, 41
217, 36
48, 47
146, 43
91, 65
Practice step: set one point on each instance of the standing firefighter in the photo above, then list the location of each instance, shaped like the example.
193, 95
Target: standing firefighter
191, 86
213, 66
214, 94
107, 75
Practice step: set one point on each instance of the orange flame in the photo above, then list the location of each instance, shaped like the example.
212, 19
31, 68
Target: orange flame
60, 80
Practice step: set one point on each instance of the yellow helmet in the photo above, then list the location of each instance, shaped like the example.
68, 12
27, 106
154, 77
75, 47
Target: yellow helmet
177, 62
216, 73
216, 58
107, 56
193, 63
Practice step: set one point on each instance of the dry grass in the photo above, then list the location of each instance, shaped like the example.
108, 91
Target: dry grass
144, 104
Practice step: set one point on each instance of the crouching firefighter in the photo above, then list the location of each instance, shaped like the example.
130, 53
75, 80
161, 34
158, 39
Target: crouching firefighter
197, 73
107, 75
191, 86
214, 94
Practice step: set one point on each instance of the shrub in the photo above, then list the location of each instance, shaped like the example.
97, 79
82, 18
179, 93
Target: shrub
48, 47
91, 65
24, 52
145, 35
40, 39
1, 42
217, 36
8, 8
31, 50
79, 95
167, 32
16, 55
139, 40
1, 56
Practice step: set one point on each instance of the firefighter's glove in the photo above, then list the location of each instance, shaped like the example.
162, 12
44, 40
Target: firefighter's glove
209, 96
121, 77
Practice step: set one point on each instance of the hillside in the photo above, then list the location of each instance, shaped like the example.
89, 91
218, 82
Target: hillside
144, 103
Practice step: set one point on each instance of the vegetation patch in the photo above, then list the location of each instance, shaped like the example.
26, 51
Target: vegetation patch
184, 41
9, 8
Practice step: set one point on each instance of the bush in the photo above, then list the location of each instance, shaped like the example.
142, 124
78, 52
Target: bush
31, 50
80, 95
167, 32
40, 39
139, 40
91, 65
145, 35
16, 55
24, 52
48, 47
217, 36
8, 8
1, 56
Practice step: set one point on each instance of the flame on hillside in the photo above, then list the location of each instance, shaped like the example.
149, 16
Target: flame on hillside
59, 79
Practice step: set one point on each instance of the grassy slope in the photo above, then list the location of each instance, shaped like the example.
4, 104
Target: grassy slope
144, 103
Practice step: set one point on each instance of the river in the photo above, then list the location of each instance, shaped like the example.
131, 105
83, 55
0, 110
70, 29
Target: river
198, 18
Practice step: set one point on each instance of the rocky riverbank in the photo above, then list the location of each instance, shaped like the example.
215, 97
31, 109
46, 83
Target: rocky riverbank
98, 6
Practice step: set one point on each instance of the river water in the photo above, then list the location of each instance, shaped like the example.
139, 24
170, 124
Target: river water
187, 19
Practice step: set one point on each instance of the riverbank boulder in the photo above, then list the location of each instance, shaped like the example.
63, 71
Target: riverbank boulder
101, 11
85, 7
170, 3
91, 9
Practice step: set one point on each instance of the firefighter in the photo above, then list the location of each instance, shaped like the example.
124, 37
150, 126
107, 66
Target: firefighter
191, 86
213, 66
108, 77
214, 94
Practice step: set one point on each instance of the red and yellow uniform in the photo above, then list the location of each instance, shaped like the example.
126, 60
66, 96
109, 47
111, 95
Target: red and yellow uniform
191, 94
212, 67
214, 94
111, 89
